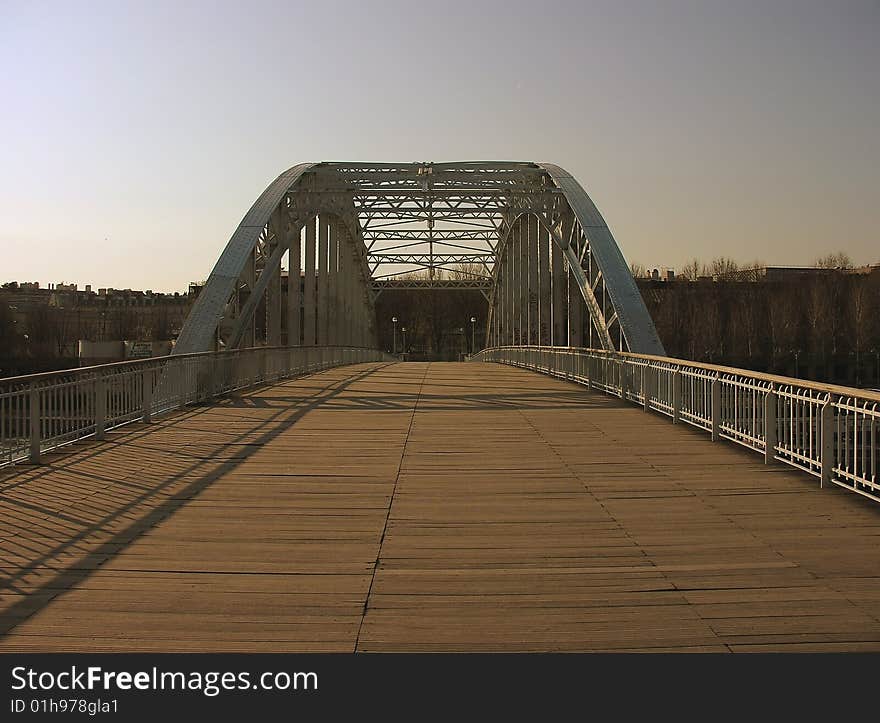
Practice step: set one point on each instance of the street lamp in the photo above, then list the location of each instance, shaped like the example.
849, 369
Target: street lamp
394, 321
403, 331
473, 335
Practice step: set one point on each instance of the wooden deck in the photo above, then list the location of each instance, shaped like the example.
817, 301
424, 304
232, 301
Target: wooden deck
429, 507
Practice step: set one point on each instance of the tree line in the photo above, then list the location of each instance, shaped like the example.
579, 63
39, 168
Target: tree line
821, 326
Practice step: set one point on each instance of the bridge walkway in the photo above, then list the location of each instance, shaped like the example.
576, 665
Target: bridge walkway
429, 506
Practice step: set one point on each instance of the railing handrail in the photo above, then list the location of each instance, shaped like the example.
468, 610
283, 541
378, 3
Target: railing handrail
836, 389
128, 363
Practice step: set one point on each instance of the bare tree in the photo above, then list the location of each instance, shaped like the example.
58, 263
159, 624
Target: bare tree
639, 271
838, 260
692, 270
722, 267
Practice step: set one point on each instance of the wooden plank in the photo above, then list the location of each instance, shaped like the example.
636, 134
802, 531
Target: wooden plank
437, 506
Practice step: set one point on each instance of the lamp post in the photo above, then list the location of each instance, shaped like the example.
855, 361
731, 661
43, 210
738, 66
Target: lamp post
394, 321
403, 331
473, 335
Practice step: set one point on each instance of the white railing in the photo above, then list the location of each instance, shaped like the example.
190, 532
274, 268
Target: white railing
829, 431
41, 412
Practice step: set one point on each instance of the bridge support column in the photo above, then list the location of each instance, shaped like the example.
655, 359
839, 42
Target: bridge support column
309, 289
333, 283
294, 291
273, 307
323, 287
770, 426
534, 294
575, 311
250, 277
341, 289
348, 285
558, 335
545, 323
507, 339
523, 281
494, 311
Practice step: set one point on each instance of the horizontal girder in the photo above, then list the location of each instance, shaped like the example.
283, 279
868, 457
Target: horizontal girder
482, 284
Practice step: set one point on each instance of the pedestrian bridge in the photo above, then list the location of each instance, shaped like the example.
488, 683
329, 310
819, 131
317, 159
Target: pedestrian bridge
279, 484
386, 506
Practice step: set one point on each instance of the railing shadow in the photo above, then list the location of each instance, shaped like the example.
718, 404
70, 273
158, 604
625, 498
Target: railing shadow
51, 542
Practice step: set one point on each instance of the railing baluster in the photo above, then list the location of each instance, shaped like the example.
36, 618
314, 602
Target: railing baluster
770, 425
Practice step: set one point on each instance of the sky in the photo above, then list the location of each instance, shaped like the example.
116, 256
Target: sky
135, 135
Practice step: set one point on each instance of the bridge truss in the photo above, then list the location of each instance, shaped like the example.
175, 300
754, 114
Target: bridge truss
525, 234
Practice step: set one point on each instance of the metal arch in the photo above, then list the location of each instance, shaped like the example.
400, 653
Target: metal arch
201, 324
634, 319
472, 198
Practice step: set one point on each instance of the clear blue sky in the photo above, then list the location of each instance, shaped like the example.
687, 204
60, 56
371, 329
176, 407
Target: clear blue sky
136, 134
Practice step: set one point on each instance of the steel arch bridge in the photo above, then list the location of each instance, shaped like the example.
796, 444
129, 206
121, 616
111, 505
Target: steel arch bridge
526, 234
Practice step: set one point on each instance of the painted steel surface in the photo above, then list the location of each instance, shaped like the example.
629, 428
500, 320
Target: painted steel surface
198, 331
379, 204
636, 322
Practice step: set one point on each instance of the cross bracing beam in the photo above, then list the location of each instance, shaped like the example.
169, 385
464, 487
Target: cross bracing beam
524, 233
475, 283
426, 259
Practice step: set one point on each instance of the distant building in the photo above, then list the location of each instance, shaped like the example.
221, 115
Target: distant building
664, 273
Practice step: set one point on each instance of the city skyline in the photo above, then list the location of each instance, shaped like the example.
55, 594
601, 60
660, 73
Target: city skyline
142, 133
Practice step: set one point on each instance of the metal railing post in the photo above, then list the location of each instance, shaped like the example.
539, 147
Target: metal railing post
183, 391
716, 408
770, 425
623, 380
34, 402
100, 406
676, 396
212, 388
826, 422
646, 387
147, 376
